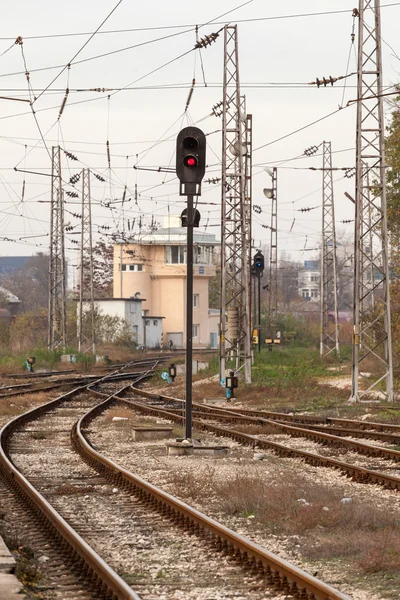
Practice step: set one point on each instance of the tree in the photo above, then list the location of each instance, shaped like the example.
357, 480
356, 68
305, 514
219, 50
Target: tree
30, 283
103, 270
392, 147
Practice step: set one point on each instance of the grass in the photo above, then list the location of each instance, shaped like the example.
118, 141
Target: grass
327, 528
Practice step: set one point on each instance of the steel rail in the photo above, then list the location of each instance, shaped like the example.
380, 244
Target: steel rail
94, 569
276, 570
315, 436
317, 419
359, 474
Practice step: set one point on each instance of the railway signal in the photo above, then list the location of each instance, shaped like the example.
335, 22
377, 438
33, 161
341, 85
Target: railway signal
190, 169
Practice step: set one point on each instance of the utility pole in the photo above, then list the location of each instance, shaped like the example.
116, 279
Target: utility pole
235, 320
329, 337
272, 194
57, 292
371, 310
86, 288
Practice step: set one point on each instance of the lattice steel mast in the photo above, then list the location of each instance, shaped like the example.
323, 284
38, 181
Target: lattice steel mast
372, 335
329, 337
86, 325
273, 256
235, 340
57, 288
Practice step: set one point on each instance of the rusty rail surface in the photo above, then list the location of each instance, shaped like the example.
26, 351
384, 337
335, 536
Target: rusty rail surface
359, 474
277, 571
297, 418
313, 435
94, 569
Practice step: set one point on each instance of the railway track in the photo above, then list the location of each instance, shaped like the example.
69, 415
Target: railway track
77, 567
357, 473
134, 497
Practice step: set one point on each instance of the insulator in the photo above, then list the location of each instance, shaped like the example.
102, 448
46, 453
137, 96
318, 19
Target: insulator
257, 209
206, 40
233, 324
311, 150
108, 154
70, 155
64, 102
75, 178
349, 173
72, 194
99, 177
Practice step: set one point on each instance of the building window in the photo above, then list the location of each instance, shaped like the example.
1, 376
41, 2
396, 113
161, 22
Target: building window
314, 278
196, 329
175, 255
131, 267
314, 293
147, 322
305, 293
195, 300
155, 322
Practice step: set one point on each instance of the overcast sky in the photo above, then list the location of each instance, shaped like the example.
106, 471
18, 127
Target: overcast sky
291, 50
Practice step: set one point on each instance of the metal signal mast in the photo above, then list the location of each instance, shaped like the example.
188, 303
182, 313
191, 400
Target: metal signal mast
272, 193
57, 288
86, 332
372, 335
329, 340
235, 339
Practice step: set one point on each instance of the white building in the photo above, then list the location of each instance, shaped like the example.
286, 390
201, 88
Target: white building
309, 280
146, 330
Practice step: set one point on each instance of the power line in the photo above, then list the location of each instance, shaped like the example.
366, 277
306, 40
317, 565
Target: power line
192, 25
79, 51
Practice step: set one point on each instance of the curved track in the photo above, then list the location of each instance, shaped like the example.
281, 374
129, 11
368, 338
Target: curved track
98, 575
95, 573
360, 474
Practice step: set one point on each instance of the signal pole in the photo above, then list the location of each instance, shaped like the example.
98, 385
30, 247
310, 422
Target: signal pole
329, 340
371, 310
272, 193
86, 288
235, 320
57, 292
190, 169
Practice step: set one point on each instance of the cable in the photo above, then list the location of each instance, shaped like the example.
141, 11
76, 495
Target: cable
162, 27
79, 51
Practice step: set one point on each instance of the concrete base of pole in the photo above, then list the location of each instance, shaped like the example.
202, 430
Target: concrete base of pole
184, 448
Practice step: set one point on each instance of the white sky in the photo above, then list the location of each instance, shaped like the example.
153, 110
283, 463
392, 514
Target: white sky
287, 50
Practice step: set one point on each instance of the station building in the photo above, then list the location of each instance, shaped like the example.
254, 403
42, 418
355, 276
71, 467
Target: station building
153, 265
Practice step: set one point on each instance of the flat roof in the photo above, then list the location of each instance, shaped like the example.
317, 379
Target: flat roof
118, 299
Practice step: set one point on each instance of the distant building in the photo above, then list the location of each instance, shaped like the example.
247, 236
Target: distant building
11, 264
12, 301
154, 265
146, 331
309, 280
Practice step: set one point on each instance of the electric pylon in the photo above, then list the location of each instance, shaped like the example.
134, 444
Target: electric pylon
372, 335
86, 333
57, 292
273, 256
235, 339
329, 337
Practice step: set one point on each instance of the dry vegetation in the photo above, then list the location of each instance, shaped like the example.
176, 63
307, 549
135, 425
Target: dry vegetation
310, 513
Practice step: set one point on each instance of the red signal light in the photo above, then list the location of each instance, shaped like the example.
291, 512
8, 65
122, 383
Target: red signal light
190, 161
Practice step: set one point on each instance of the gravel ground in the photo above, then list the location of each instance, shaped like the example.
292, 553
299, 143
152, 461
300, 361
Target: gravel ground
148, 459
157, 559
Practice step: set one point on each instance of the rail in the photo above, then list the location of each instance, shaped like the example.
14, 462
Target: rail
99, 574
